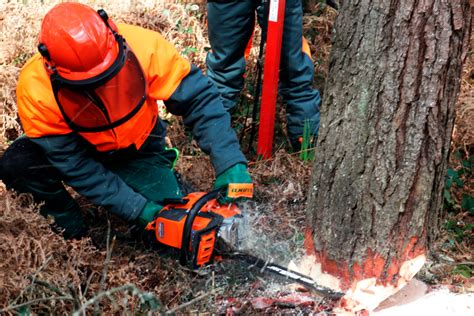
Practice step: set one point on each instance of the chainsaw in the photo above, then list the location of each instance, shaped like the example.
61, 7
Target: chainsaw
200, 227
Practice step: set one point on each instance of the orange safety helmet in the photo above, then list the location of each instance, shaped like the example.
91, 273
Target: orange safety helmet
97, 80
78, 41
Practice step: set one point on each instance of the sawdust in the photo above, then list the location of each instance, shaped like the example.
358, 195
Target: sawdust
254, 237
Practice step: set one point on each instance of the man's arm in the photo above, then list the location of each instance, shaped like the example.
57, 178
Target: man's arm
89, 177
198, 101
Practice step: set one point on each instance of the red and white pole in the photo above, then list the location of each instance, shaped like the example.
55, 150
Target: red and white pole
271, 70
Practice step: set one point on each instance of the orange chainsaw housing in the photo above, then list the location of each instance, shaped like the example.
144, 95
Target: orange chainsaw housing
169, 225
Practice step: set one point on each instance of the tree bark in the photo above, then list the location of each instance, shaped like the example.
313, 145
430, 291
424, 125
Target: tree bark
387, 118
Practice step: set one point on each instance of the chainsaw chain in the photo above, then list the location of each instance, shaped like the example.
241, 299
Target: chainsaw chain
281, 271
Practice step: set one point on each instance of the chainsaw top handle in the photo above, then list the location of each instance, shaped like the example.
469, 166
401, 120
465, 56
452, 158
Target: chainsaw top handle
188, 224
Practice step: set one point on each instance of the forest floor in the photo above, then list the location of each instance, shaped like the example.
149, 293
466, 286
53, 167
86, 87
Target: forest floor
110, 271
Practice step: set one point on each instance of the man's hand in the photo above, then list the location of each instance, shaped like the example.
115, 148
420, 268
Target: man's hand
237, 174
148, 213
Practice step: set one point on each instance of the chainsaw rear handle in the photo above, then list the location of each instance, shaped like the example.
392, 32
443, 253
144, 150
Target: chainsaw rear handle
188, 224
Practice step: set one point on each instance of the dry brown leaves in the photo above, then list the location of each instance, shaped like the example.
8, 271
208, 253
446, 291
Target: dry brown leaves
463, 134
317, 30
38, 265
30, 250
181, 24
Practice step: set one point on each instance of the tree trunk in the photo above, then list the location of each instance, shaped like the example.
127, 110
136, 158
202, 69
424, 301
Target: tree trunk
376, 198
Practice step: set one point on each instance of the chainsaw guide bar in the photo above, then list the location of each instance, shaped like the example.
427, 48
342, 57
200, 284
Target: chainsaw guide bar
285, 273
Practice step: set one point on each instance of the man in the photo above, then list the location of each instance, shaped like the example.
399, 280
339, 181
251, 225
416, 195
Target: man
87, 105
230, 26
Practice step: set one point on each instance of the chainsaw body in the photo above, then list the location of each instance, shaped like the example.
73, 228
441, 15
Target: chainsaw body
194, 223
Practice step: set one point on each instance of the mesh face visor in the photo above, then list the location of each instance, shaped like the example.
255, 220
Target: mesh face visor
105, 101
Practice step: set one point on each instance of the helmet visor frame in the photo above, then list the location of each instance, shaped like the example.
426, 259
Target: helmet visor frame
105, 101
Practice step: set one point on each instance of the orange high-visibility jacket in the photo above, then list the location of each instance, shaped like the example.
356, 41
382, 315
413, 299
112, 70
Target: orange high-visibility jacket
182, 87
163, 67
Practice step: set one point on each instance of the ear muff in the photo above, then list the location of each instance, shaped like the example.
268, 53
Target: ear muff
44, 51
105, 17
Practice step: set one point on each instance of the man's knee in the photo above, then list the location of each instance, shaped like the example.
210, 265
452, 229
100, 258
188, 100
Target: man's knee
25, 168
24, 159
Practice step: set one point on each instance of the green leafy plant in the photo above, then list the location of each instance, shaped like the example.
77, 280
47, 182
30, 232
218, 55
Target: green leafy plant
459, 230
463, 270
189, 50
467, 203
457, 201
455, 179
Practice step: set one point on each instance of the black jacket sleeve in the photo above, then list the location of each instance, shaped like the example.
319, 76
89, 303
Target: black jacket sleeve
89, 177
198, 101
